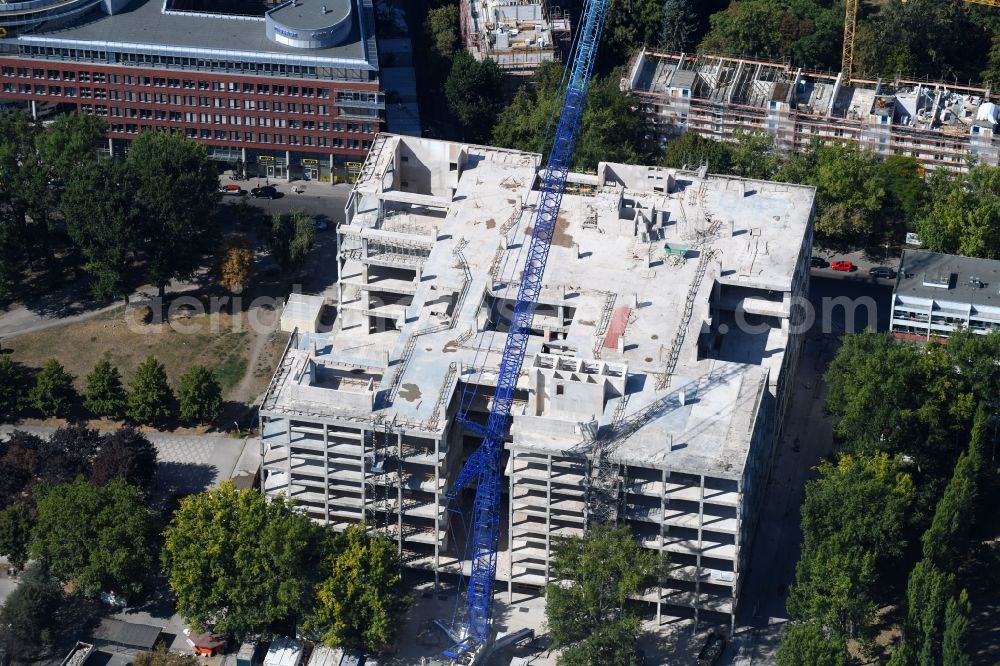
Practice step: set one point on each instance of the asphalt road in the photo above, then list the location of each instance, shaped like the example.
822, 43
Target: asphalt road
843, 304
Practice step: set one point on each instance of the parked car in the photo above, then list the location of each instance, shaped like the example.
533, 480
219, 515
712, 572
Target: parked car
266, 192
232, 189
882, 272
320, 225
842, 266
818, 262
714, 646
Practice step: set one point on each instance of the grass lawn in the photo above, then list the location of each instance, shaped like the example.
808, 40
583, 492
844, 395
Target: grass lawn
221, 342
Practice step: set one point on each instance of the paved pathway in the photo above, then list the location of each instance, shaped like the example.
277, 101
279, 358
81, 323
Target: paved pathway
187, 463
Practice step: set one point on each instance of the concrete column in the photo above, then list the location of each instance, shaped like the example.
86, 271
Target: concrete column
288, 165
111, 147
701, 546
661, 545
326, 471
243, 158
288, 455
548, 519
399, 488
34, 110
510, 531
437, 510
362, 432
331, 170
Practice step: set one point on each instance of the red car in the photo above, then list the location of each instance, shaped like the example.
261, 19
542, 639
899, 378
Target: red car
843, 266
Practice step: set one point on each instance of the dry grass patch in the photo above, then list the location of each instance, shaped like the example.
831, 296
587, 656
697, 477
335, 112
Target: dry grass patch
222, 342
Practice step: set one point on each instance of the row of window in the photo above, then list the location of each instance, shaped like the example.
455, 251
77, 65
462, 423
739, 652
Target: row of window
158, 82
254, 137
172, 62
87, 92
219, 119
189, 84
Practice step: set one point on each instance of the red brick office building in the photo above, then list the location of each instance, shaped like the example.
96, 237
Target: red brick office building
289, 90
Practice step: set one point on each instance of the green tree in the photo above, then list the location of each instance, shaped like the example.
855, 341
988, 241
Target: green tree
238, 562
150, 399
168, 168
361, 602
99, 204
70, 142
199, 395
441, 27
17, 138
678, 25
587, 611
125, 454
806, 643
100, 538
16, 524
954, 651
991, 75
948, 535
13, 384
291, 238
609, 645
963, 213
105, 395
927, 593
874, 388
53, 392
905, 187
474, 91
753, 155
609, 131
849, 191
692, 150
27, 618
853, 519
629, 25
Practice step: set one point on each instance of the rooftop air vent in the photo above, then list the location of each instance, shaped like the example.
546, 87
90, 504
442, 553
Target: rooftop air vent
938, 281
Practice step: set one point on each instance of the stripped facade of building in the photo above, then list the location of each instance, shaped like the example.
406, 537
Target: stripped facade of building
938, 124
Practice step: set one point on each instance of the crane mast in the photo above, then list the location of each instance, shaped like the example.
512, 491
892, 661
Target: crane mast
484, 465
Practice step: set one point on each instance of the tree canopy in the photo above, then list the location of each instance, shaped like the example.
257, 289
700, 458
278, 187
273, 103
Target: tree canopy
963, 216
105, 395
361, 602
27, 618
102, 218
238, 562
150, 398
474, 91
99, 538
587, 612
53, 393
199, 395
609, 130
125, 454
167, 169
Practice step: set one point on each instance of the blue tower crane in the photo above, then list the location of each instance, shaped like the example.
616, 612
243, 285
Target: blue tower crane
484, 465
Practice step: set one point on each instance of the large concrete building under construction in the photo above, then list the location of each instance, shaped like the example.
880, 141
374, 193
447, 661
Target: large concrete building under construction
665, 334
939, 124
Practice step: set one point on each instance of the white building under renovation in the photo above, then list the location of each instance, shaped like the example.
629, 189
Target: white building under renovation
518, 35
663, 333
